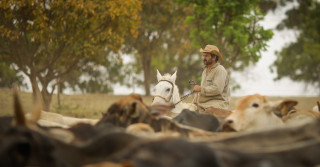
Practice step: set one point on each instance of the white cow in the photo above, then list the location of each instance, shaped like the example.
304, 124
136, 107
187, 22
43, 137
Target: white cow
256, 112
51, 119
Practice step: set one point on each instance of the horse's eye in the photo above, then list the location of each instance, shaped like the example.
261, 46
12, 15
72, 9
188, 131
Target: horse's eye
255, 105
168, 89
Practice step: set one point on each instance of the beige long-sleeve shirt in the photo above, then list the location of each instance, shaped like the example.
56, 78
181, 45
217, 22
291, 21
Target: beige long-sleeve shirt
215, 90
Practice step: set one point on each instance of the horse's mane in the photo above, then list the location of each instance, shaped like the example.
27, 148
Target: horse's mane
166, 77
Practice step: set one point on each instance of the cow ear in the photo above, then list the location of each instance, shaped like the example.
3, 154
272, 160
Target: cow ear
173, 77
282, 107
286, 106
159, 76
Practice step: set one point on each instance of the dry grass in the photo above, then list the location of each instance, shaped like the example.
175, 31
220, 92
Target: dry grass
91, 105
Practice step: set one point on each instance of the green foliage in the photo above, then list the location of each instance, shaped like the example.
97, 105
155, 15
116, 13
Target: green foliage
300, 60
160, 40
172, 33
9, 76
96, 78
231, 25
267, 5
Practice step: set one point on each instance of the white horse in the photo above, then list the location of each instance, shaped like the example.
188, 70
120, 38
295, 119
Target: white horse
167, 92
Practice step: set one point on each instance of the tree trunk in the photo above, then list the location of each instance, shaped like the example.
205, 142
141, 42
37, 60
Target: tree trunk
146, 65
58, 92
46, 96
43, 96
35, 90
319, 85
46, 99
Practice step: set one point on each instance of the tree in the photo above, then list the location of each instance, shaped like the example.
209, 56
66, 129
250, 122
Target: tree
180, 55
94, 78
161, 36
47, 39
231, 25
300, 60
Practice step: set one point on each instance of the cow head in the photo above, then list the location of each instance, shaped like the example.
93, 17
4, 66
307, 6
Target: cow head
126, 111
256, 112
130, 110
300, 117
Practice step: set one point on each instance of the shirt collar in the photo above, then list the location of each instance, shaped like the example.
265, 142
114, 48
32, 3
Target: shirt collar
214, 66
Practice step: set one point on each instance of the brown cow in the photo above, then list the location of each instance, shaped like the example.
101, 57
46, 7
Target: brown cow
27, 144
22, 146
131, 110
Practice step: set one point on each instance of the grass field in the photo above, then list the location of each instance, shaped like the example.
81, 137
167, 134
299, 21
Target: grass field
91, 105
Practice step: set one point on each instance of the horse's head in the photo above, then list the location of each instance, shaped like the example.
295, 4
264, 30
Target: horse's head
166, 91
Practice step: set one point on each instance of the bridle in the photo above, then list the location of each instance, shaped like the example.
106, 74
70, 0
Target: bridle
191, 82
170, 95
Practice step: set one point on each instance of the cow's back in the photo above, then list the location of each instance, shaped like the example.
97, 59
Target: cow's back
203, 121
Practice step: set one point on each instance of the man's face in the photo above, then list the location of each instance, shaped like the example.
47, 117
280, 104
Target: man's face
207, 59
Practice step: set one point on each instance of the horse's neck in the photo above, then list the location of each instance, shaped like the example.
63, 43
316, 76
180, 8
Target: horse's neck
175, 95
176, 99
181, 105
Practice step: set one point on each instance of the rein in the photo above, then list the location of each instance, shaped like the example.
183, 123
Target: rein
182, 98
191, 82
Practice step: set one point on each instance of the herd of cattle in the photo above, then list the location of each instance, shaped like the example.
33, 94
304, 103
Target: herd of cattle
257, 133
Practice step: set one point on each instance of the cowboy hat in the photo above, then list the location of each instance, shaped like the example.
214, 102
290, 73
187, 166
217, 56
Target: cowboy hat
212, 49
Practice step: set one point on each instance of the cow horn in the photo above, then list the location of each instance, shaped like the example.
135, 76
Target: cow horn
19, 116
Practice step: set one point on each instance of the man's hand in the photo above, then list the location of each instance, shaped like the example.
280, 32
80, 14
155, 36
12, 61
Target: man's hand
197, 88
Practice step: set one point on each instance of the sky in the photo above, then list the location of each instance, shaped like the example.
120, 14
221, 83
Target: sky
258, 78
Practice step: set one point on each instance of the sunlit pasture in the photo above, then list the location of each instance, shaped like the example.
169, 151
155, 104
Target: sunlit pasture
92, 105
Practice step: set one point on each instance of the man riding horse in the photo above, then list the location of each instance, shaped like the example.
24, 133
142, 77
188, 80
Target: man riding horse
214, 89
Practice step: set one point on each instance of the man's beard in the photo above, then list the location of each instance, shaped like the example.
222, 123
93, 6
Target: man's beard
205, 62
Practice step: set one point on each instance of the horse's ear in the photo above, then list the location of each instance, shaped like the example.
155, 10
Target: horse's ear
159, 76
173, 77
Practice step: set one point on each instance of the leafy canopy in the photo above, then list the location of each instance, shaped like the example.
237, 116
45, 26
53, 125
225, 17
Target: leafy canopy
300, 60
231, 25
50, 38
47, 39
161, 37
